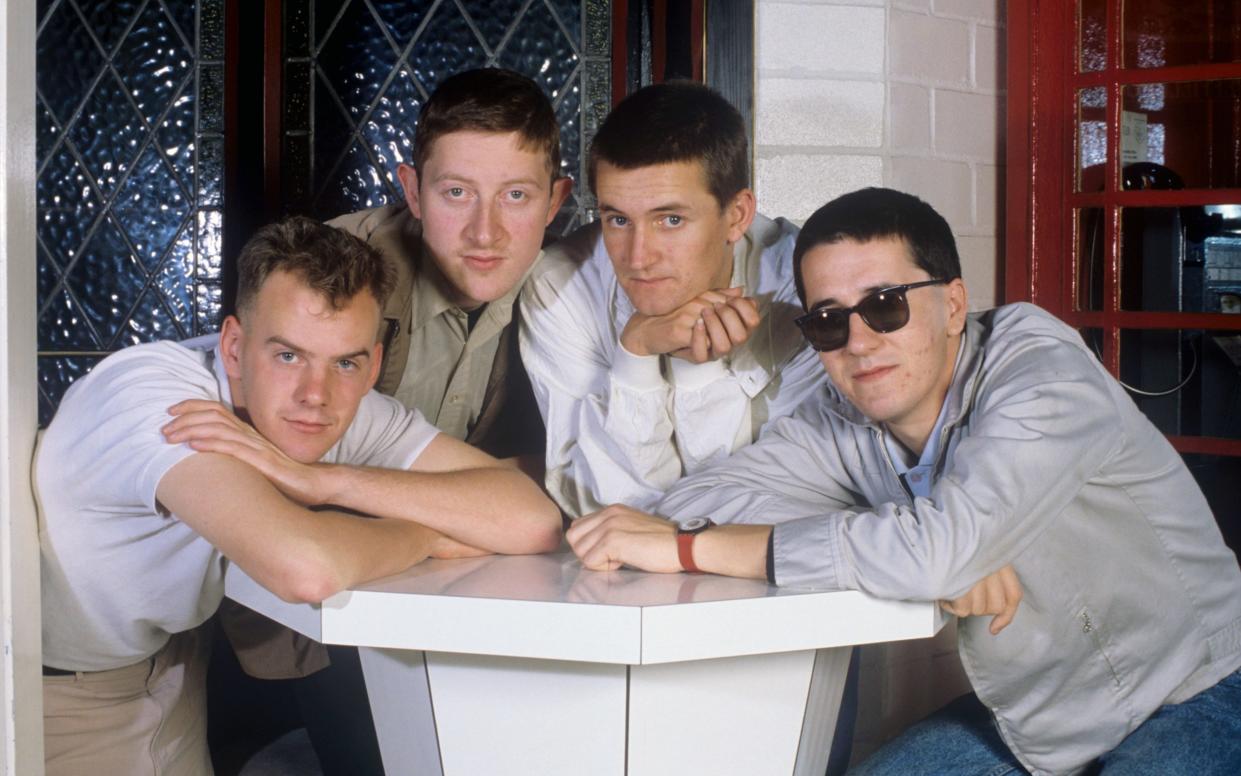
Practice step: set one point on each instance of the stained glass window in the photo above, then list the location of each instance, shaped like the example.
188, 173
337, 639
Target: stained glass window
357, 73
130, 146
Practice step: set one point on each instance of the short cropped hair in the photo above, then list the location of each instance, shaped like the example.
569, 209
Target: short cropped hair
328, 260
677, 121
877, 214
489, 100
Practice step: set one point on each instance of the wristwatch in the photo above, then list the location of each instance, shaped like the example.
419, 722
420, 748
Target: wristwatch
685, 541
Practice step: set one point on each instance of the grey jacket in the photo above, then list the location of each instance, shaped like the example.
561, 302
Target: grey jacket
1132, 600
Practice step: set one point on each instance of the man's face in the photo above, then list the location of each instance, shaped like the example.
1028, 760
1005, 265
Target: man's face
484, 202
668, 237
899, 378
298, 367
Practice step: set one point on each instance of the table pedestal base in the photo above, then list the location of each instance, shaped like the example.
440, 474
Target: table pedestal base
448, 714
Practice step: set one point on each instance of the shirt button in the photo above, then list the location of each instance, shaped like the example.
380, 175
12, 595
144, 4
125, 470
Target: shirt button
455, 398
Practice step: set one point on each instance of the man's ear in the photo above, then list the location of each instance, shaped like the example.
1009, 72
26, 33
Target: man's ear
739, 213
958, 306
408, 177
231, 336
561, 187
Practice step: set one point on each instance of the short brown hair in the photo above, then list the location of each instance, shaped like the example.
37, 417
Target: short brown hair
328, 260
489, 100
677, 121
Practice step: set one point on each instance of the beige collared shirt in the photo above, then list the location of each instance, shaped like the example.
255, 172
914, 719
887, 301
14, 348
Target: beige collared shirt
446, 373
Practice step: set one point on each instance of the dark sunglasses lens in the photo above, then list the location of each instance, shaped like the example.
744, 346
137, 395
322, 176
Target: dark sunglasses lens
825, 329
885, 311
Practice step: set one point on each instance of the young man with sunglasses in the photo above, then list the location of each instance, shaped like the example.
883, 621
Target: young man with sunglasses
948, 445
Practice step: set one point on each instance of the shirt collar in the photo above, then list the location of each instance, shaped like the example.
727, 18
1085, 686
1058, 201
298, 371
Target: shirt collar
430, 301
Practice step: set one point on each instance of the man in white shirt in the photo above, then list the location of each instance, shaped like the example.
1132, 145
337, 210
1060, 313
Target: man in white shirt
662, 338
166, 460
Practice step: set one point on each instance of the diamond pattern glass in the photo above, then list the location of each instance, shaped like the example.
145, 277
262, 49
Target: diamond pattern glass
376, 61
131, 160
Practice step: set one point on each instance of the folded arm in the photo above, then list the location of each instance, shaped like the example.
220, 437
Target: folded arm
298, 554
452, 488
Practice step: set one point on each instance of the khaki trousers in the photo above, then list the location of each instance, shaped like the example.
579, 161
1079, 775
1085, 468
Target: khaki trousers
146, 719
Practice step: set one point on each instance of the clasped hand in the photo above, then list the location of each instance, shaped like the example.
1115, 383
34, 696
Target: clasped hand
703, 329
211, 427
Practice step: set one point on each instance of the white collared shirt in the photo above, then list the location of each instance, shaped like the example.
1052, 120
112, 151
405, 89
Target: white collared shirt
623, 428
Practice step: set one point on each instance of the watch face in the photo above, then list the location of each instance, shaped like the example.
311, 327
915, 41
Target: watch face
695, 524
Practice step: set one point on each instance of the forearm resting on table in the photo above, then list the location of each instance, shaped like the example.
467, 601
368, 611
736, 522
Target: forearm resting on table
494, 508
733, 550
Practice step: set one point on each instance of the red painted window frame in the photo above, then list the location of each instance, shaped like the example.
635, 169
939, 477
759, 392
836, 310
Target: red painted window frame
1040, 240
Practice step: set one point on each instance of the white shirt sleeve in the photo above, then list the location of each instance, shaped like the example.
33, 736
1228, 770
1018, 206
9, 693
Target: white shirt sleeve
607, 412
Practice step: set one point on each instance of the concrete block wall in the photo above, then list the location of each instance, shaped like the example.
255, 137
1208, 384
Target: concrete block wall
900, 93
907, 94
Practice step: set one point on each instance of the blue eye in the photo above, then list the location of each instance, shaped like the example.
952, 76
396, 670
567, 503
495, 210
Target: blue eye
286, 357
671, 220
617, 221
517, 195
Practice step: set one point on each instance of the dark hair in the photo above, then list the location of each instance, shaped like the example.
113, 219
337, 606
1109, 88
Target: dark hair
677, 121
328, 260
489, 100
876, 214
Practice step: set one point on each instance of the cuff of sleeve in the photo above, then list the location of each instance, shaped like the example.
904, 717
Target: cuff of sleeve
689, 376
638, 372
806, 553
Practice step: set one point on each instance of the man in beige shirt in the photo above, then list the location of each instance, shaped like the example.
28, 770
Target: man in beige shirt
484, 186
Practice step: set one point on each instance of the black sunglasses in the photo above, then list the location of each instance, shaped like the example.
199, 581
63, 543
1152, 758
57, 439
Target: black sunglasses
885, 310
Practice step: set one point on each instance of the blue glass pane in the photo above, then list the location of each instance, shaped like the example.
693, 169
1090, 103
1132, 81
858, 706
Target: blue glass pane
333, 133
211, 99
297, 167
149, 322
48, 277
175, 138
108, 19
107, 134
355, 185
107, 281
43, 7
174, 280
569, 12
566, 220
153, 63
390, 131
296, 29
56, 374
183, 12
67, 206
210, 29
447, 46
325, 13
151, 207
402, 17
210, 168
62, 325
207, 299
297, 77
598, 33
210, 243
493, 17
569, 118
356, 60
48, 132
66, 50
540, 50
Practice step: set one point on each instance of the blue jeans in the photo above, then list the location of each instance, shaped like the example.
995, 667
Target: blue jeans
1199, 737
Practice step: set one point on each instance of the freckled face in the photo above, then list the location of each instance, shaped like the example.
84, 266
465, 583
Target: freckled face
297, 367
667, 235
484, 201
899, 378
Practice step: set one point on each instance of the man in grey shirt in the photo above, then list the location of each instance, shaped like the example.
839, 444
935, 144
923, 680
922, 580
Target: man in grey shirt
948, 445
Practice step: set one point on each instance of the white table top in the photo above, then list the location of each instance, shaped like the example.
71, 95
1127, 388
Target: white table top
548, 606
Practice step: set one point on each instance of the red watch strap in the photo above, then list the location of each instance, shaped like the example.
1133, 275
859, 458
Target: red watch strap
685, 552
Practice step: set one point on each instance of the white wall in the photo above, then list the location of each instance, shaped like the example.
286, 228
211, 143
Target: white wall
21, 694
901, 93
907, 94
